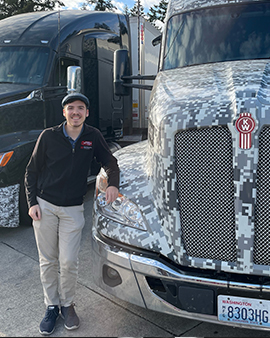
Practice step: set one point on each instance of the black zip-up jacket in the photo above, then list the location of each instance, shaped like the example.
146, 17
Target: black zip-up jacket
58, 174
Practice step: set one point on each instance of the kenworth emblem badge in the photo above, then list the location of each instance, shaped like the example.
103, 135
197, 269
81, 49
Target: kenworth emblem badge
245, 124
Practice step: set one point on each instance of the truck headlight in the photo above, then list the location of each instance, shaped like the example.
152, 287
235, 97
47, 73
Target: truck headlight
122, 210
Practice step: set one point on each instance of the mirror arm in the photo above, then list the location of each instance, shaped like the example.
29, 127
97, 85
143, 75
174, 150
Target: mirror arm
139, 86
139, 77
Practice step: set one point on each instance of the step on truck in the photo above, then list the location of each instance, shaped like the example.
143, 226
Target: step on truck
43, 56
189, 232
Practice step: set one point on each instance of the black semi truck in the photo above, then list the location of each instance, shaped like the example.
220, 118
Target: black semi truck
36, 51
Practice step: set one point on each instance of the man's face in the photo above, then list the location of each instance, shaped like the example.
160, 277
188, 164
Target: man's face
75, 113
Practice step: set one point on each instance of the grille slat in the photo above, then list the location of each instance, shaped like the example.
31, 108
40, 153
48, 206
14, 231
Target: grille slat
205, 192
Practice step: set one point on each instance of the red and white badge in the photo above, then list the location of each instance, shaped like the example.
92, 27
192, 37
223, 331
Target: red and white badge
245, 124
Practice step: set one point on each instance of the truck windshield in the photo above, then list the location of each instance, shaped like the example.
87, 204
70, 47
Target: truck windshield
25, 65
238, 32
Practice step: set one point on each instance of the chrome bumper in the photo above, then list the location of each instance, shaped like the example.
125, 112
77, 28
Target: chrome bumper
133, 269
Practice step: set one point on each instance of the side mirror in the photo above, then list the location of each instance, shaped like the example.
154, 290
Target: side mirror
121, 68
74, 79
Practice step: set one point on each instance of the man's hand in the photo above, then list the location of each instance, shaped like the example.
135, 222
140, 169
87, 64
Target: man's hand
35, 213
111, 194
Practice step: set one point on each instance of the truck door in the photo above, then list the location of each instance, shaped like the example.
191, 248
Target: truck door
106, 110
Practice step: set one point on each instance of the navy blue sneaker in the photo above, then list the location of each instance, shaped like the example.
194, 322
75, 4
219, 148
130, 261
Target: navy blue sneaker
47, 324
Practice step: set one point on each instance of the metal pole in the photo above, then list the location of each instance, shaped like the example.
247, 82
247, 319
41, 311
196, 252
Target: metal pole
138, 9
59, 62
141, 122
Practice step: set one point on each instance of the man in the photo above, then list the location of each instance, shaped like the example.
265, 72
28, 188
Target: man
56, 182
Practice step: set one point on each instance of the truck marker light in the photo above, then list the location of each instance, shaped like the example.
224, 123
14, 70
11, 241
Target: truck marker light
5, 157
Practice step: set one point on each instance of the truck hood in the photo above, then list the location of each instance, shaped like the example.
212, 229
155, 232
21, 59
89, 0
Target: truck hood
14, 140
192, 89
21, 108
11, 91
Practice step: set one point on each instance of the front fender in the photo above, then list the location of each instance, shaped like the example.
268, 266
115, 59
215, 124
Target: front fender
136, 185
22, 144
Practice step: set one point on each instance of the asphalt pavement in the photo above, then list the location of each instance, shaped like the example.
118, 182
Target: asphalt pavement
101, 315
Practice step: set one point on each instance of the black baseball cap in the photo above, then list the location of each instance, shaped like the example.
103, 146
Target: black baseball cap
74, 97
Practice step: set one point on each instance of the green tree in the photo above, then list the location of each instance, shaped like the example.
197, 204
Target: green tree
12, 7
158, 12
100, 5
126, 10
134, 10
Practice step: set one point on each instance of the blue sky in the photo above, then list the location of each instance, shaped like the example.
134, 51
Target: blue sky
75, 4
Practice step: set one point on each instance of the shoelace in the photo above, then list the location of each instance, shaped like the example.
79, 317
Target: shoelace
49, 314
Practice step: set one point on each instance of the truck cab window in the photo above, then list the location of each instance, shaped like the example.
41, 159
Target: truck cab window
218, 34
60, 77
23, 65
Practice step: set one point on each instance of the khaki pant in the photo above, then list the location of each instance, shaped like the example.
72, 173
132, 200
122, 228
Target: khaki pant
58, 237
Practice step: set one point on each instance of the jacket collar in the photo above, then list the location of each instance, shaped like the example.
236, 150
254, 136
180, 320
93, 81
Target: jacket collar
59, 128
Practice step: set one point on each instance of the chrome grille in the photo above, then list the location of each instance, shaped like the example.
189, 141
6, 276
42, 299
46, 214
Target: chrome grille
205, 190
261, 253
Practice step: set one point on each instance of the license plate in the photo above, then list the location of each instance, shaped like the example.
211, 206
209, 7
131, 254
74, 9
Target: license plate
244, 310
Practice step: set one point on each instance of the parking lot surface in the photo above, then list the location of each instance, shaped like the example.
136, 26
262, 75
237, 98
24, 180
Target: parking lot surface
101, 315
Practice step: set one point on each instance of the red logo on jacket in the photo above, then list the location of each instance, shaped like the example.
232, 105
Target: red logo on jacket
86, 144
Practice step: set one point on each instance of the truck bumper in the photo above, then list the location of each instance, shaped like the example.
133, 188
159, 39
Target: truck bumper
140, 279
9, 206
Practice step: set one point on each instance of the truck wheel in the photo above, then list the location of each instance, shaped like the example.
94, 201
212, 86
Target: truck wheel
25, 219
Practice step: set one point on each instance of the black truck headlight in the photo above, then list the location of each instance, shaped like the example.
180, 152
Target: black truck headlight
122, 210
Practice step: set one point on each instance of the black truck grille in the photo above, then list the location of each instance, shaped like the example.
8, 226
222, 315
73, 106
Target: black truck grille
261, 253
205, 190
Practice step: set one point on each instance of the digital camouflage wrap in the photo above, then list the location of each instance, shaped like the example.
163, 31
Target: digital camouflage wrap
9, 206
208, 98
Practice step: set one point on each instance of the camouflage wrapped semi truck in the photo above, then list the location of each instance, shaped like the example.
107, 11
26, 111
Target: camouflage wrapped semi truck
190, 233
